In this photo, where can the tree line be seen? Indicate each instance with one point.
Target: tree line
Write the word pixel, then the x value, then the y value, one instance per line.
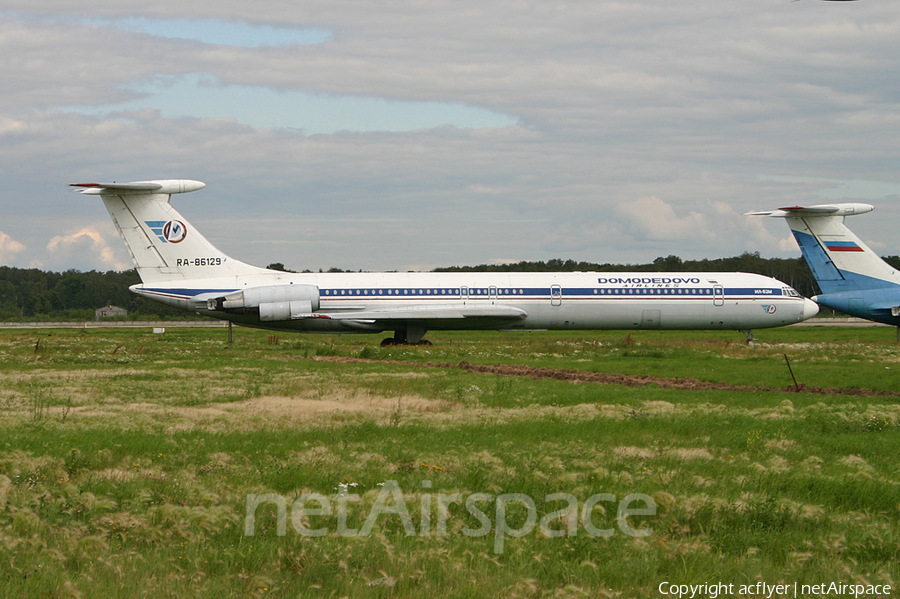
pixel 32 294
pixel 793 271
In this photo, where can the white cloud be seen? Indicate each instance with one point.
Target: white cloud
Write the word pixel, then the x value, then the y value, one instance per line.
pixel 717 225
pixel 652 218
pixel 9 247
pixel 86 248
pixel 788 244
pixel 685 105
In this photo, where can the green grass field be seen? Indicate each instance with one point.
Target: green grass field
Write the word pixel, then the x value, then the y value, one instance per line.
pixel 128 460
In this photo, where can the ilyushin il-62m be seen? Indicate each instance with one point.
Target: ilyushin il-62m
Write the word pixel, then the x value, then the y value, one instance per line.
pixel 179 267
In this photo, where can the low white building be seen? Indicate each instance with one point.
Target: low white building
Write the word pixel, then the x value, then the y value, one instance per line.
pixel 109 311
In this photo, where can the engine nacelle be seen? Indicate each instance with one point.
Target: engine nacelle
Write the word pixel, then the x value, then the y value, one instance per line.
pixel 274 302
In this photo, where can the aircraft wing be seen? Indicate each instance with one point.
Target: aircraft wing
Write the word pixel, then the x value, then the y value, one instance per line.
pixel 423 317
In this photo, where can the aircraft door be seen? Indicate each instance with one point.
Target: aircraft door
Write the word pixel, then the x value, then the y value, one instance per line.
pixel 718 295
pixel 464 294
pixel 650 319
pixel 555 295
pixel 492 293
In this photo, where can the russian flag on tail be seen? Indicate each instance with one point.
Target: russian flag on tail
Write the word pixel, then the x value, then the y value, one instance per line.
pixel 842 246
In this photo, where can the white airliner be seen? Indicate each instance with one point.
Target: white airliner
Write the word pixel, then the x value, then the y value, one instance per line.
pixel 853 278
pixel 179 267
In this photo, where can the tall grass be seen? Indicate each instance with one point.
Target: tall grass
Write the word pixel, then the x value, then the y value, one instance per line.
pixel 134 479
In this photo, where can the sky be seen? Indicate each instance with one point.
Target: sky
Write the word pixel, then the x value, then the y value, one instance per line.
pixel 407 135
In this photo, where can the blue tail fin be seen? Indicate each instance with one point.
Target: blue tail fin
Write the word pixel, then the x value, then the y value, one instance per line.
pixel 853 278
pixel 839 260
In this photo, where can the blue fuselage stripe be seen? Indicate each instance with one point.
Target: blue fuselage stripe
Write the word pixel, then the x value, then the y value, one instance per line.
pixel 509 293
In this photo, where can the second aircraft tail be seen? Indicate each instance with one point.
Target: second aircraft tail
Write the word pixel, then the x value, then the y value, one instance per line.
pixel 839 260
pixel 853 278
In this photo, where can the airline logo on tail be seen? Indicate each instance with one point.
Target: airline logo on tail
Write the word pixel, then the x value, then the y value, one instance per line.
pixel 173 231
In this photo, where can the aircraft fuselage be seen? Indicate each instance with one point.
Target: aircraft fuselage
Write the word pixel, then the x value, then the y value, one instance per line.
pixel 587 300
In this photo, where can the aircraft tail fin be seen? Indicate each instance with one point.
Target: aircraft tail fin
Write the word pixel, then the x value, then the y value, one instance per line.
pixel 839 260
pixel 162 244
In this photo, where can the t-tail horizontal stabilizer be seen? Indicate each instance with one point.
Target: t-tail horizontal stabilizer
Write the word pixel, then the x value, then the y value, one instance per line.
pixel 853 278
pixel 165 186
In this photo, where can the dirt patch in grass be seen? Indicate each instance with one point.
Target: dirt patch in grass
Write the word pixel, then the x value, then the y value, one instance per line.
pixel 607 378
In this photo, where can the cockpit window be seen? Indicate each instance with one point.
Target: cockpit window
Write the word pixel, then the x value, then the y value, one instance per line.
pixel 790 292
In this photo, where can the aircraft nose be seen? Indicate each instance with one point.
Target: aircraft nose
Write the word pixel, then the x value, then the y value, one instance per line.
pixel 810 309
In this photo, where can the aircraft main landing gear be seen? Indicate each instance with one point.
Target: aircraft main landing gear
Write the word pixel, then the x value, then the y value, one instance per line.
pixel 750 337
pixel 407 336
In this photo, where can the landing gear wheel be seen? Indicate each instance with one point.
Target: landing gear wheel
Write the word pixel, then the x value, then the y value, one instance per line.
pixel 424 342
pixel 407 336
pixel 750 337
